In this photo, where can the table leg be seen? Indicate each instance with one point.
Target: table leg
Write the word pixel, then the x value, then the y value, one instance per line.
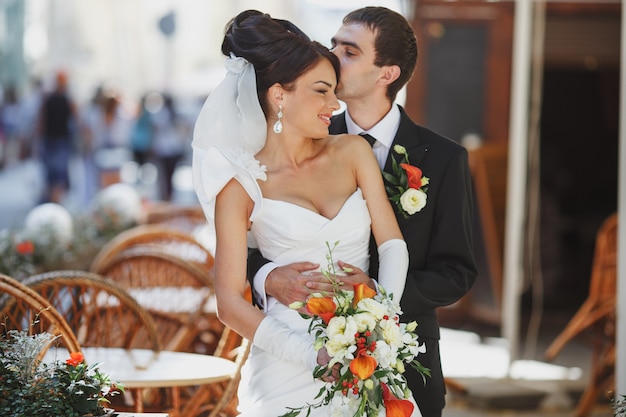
pixel 138 394
pixel 176 399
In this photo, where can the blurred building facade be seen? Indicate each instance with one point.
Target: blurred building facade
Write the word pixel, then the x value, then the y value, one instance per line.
pixel 119 42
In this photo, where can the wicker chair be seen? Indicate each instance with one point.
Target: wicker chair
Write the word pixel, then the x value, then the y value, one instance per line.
pixel 157 237
pixel 220 399
pixel 179 295
pixel 184 218
pixel 596 316
pixel 100 312
pixel 22 308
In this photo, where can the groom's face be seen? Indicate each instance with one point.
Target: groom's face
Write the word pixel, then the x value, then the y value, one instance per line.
pixel 353 44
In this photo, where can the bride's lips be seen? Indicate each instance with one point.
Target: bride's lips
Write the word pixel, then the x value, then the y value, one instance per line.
pixel 325 118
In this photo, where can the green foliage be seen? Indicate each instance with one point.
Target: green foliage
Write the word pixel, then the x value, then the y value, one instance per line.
pixel 29 387
pixel 619 407
pixel 22 255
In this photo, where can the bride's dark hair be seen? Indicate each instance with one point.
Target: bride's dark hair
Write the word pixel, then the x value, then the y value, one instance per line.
pixel 279 51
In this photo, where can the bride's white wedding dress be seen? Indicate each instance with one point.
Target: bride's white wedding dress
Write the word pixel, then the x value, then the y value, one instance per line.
pixel 231 129
pixel 286 233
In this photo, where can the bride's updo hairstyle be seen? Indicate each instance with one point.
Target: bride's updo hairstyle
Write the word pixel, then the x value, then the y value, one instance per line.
pixel 279 51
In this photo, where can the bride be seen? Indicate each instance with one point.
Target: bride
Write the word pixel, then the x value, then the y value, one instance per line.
pixel 267 171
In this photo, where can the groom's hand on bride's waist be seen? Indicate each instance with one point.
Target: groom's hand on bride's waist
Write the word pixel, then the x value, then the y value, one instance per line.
pixel 288 283
pixel 297 281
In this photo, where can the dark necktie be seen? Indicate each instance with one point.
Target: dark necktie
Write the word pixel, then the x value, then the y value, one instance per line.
pixel 370 139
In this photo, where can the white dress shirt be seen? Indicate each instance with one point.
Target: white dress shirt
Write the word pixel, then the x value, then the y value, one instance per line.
pixel 384 132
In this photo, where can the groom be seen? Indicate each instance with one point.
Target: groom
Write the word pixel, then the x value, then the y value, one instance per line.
pixel 378 53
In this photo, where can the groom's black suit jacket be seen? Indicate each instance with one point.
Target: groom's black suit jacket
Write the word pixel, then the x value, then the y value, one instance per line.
pixel 439 240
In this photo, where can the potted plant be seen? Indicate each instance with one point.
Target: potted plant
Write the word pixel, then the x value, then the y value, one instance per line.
pixel 30 387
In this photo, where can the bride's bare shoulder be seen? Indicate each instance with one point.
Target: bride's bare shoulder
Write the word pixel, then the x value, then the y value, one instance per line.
pixel 345 139
pixel 348 143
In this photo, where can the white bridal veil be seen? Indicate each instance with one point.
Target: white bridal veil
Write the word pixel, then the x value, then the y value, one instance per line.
pixel 230 130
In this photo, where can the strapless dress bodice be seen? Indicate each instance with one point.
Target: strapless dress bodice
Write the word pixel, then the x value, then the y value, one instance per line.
pixel 285 232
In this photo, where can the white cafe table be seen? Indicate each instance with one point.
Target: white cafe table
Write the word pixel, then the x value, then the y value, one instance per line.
pixel 143 368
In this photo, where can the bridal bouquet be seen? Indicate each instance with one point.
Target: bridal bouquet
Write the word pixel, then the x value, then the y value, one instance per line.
pixel 362 334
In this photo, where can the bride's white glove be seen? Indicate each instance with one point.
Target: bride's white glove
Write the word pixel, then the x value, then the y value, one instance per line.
pixel 393 264
pixel 274 337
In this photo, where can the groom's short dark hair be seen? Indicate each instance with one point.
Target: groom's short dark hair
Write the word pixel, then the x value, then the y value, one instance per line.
pixel 395 42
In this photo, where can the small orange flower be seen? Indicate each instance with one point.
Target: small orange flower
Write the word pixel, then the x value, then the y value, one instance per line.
pixel 25 248
pixel 363 365
pixel 394 406
pixel 76 358
pixel 362 291
pixel 324 307
pixel 414 175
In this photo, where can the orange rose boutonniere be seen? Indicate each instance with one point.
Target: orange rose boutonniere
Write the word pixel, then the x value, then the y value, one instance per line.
pixel 406 185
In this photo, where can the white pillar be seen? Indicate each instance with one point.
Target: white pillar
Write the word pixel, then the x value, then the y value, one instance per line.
pixel 517 167
pixel 620 366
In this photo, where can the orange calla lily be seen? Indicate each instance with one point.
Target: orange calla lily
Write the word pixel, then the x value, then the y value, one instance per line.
pixel 324 307
pixel 414 175
pixel 362 291
pixel 394 406
pixel 363 365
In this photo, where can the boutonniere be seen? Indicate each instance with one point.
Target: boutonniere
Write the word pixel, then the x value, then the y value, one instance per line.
pixel 406 186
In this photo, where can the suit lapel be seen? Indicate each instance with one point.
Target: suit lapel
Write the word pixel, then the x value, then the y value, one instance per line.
pixel 407 136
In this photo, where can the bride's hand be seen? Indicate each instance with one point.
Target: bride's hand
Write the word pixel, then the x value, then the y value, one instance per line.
pixel 354 276
pixel 322 359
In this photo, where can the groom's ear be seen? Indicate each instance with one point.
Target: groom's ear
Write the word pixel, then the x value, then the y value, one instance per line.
pixel 390 73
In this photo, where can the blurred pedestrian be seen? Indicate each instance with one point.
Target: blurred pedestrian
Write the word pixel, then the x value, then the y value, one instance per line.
pixel 168 145
pixel 30 106
pixel 109 130
pixel 9 122
pixel 57 127
pixel 90 117
pixel 142 133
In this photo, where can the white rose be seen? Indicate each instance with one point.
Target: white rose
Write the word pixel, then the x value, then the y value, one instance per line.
pixel 413 200
pixel 364 322
pixel 373 307
pixel 391 333
pixel 340 334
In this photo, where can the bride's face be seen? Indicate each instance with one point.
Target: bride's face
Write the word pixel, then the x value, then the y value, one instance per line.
pixel 307 108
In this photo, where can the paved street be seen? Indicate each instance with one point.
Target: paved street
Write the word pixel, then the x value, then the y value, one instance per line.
pixel 20 188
